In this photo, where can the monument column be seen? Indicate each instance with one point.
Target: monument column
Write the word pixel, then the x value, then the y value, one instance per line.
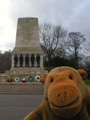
pixel 12 61
pixel 41 61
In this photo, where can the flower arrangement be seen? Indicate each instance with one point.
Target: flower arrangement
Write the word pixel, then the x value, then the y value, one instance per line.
pixel 17 79
pixel 24 80
pixel 37 78
pixel 30 79
pixel 10 80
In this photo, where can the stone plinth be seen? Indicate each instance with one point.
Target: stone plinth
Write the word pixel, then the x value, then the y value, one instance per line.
pixel 24 73
pixel 21 88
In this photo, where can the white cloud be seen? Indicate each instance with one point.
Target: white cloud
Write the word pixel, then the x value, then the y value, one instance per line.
pixel 80 19
pixel 72 14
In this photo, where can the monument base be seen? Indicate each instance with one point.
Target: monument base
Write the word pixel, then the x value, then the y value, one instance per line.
pixel 21 88
pixel 22 73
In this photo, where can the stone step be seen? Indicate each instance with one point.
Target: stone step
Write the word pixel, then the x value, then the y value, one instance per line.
pixel 21 88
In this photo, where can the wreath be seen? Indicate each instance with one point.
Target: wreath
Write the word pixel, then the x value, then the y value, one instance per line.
pixel 10 80
pixel 24 80
pixel 30 79
pixel 17 79
pixel 37 77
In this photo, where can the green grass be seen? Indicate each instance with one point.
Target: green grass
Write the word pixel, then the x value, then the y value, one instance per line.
pixel 87 82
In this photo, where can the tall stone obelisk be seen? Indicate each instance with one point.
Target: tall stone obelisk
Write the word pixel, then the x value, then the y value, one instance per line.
pixel 27 33
pixel 27 43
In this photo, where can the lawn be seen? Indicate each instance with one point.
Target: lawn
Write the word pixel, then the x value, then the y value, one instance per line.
pixel 87 82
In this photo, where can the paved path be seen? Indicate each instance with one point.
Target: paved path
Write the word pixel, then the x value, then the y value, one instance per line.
pixel 17 106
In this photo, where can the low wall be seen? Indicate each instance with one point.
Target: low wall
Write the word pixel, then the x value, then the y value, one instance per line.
pixel 29 88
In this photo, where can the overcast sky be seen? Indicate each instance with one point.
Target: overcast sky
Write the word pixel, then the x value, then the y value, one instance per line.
pixel 73 15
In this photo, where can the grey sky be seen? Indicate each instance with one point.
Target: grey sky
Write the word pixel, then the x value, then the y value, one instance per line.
pixel 73 15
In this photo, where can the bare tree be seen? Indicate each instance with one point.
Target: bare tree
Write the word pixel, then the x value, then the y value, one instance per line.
pixel 51 39
pixel 74 47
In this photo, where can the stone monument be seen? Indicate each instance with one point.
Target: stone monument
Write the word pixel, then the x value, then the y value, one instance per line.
pixel 27 56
